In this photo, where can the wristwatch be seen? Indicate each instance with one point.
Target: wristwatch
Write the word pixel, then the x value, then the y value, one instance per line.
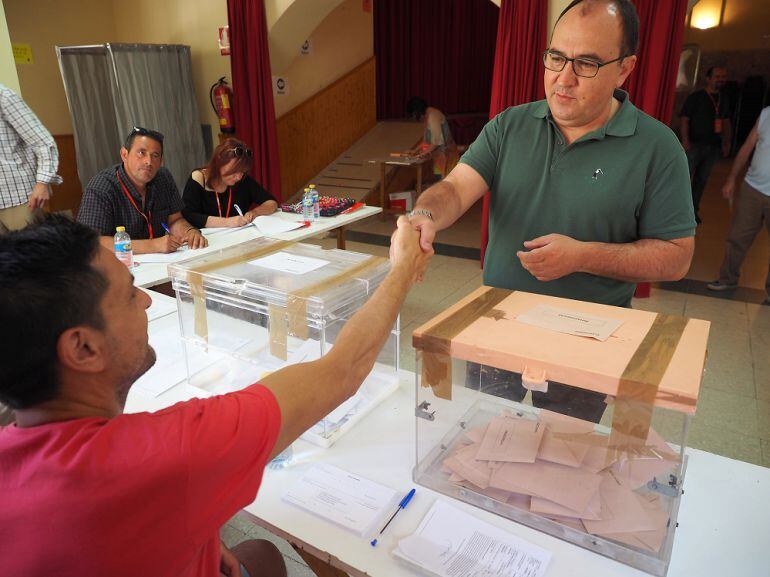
pixel 420 212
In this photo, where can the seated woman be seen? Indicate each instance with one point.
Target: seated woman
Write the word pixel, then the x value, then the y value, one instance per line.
pixel 212 192
pixel 437 138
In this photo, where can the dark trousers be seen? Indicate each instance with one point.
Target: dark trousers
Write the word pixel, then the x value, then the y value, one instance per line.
pixel 752 210
pixel 701 158
pixel 560 398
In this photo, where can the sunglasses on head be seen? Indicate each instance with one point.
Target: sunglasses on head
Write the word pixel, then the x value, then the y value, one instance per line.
pixel 241 151
pixel 146 132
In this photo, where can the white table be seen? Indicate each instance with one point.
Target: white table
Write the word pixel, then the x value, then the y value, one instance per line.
pixel 151 274
pixel 724 517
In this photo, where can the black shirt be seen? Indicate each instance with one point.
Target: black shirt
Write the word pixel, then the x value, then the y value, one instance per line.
pixel 701 108
pixel 199 203
pixel 105 206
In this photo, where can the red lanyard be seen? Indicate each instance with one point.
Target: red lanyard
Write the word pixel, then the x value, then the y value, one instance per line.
pixel 146 218
pixel 229 202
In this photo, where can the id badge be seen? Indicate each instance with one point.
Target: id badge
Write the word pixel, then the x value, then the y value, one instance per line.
pixel 717 126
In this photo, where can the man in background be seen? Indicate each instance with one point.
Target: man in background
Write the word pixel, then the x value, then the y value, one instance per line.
pixel 706 131
pixel 28 162
pixel 753 204
pixel 141 195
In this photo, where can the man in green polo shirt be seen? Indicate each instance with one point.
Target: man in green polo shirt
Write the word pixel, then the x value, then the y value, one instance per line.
pixel 588 195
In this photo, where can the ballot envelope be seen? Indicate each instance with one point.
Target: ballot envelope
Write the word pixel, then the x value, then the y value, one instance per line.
pixel 254 308
pixel 566 416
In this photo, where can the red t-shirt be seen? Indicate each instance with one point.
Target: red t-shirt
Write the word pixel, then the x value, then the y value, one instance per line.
pixel 141 494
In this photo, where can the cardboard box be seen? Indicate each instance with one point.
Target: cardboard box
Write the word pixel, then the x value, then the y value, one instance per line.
pixel 403 201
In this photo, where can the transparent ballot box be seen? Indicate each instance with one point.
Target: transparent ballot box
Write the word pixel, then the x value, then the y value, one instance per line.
pixel 566 416
pixel 254 308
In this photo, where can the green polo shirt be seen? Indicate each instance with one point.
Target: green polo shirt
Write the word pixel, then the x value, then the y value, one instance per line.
pixel 626 181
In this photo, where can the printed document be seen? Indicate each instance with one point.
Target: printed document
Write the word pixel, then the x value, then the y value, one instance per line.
pixel 452 543
pixel 570 322
pixel 290 263
pixel 270 225
pixel 351 501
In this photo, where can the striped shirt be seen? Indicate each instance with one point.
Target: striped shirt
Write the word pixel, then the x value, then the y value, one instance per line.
pixel 27 151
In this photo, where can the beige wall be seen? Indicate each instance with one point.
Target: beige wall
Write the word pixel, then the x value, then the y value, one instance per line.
pixel 340 43
pixel 745 26
pixel 8 75
pixel 44 24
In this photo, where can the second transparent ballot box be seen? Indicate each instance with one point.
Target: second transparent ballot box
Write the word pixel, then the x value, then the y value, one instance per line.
pixel 566 416
pixel 254 308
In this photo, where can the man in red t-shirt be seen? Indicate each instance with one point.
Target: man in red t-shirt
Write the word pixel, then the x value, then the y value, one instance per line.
pixel 87 490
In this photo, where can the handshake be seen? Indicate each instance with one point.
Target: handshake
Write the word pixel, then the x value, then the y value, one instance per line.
pixel 407 256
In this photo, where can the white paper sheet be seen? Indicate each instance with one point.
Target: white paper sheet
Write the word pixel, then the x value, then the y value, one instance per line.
pixel 570 322
pixel 209 231
pixel 289 263
pixel 452 543
pixel 269 225
pixel 348 500
pixel 179 254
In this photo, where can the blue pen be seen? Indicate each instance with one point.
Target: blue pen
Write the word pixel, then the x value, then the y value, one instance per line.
pixel 163 224
pixel 402 505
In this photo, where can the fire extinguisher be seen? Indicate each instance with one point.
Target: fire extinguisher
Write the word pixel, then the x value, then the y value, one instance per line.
pixel 221 96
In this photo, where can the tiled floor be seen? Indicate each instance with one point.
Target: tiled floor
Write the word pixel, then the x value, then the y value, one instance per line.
pixel 733 416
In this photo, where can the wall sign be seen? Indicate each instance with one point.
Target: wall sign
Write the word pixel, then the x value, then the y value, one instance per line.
pixel 307 48
pixel 224 40
pixel 280 86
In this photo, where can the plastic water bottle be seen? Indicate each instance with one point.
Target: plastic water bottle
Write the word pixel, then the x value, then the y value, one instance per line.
pixel 123 249
pixel 316 205
pixel 307 206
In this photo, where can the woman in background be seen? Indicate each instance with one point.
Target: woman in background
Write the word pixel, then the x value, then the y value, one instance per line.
pixel 212 192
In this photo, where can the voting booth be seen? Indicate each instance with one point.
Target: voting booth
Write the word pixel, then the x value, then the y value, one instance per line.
pixel 612 486
pixel 253 308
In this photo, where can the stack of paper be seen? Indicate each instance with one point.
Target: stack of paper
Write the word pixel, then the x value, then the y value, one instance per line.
pixel 451 543
pixel 346 499
pixel 560 468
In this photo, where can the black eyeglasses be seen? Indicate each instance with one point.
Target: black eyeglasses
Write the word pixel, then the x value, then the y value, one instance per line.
pixel 240 151
pixel 584 67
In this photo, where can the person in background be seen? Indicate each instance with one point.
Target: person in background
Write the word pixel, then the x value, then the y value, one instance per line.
pixel 212 192
pixel 86 489
pixel 141 195
pixel 437 138
pixel 706 131
pixel 28 162
pixel 753 204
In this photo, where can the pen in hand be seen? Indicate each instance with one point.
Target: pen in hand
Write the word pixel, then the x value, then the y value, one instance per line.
pixel 402 505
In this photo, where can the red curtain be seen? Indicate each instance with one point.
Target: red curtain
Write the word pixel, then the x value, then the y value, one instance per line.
pixel 253 89
pixel 651 86
pixel 518 72
pixel 441 50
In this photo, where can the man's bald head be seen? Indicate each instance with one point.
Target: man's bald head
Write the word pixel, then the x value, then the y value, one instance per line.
pixel 624 10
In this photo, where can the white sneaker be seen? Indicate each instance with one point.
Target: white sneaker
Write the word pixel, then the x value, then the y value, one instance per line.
pixel 718 285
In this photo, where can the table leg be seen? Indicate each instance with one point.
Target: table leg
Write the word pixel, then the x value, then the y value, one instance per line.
pixel 341 238
pixel 418 185
pixel 382 190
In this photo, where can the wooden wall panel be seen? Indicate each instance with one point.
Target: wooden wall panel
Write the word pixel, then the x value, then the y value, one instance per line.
pixel 67 195
pixel 317 131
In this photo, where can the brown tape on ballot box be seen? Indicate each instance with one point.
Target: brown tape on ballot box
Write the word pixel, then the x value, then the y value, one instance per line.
pixel 296 302
pixel 435 343
pixel 638 387
pixel 198 291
